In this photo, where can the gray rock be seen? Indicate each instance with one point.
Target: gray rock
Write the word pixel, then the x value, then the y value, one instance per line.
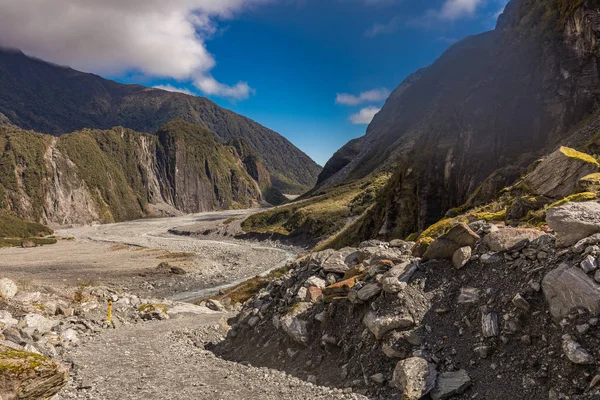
pixel 574 221
pixel 295 327
pixel 369 291
pixel 379 325
pixel 583 244
pixel 378 378
pixel 444 247
pixel 568 288
pixel 589 264
pixel 214 305
pixel 36 322
pixel 415 377
pixel 575 353
pixel 490 258
pixel 8 289
pixel 468 296
pixel 449 384
pixel 392 285
pixel 253 321
pixel 507 239
pixel 461 257
pixel 489 324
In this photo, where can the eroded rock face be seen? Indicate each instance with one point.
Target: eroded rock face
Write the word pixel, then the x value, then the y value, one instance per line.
pixel 415 376
pixel 568 288
pixel 574 221
pixel 294 326
pixel 558 174
pixel 29 376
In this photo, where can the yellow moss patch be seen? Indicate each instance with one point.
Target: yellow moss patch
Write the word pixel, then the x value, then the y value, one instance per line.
pixel 491 216
pixel 438 229
pixel 575 198
pixel 17 361
pixel 572 153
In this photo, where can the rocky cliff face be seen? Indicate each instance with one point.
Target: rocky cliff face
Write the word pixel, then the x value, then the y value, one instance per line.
pixel 491 104
pixel 56 100
pixel 119 174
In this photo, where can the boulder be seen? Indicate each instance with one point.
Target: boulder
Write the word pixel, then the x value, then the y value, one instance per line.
pixel 8 289
pixel 444 247
pixel 507 239
pixel 295 327
pixel 379 325
pixel 36 322
pixel 449 384
pixel 568 288
pixel 415 377
pixel 30 376
pixel 558 175
pixel 574 221
pixel 461 257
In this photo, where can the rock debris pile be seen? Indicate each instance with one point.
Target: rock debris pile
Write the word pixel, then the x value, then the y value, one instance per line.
pixel 484 312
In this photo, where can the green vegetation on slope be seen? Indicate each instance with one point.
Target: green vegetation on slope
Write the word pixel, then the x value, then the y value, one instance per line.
pixel 320 216
pixel 109 163
pixel 22 166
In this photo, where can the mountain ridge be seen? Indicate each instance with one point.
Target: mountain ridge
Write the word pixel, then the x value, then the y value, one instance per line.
pixel 53 99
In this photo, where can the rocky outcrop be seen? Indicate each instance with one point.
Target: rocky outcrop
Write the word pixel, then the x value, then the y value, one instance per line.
pixel 391 325
pixel 574 221
pixel 29 376
pixel 558 175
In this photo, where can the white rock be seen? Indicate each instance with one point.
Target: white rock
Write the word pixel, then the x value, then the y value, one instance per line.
pixel 7 319
pixel 415 377
pixel 461 257
pixel 8 289
pixel 36 322
pixel 70 335
pixel 316 281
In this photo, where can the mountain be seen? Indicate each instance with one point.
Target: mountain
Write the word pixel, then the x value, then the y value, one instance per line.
pixel 463 128
pixel 50 99
pixel 120 174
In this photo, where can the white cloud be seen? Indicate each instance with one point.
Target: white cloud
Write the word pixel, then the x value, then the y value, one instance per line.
pixel 154 37
pixel 455 9
pixel 370 96
pixel 209 85
pixel 364 116
pixel 171 88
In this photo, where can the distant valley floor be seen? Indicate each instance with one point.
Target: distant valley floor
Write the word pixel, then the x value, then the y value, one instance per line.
pixel 127 256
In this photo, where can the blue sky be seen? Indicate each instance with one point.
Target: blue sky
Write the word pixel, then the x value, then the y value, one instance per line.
pixel 280 62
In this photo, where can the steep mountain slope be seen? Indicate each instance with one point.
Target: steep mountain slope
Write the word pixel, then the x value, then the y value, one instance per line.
pixel 120 174
pixel 55 100
pixel 488 107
